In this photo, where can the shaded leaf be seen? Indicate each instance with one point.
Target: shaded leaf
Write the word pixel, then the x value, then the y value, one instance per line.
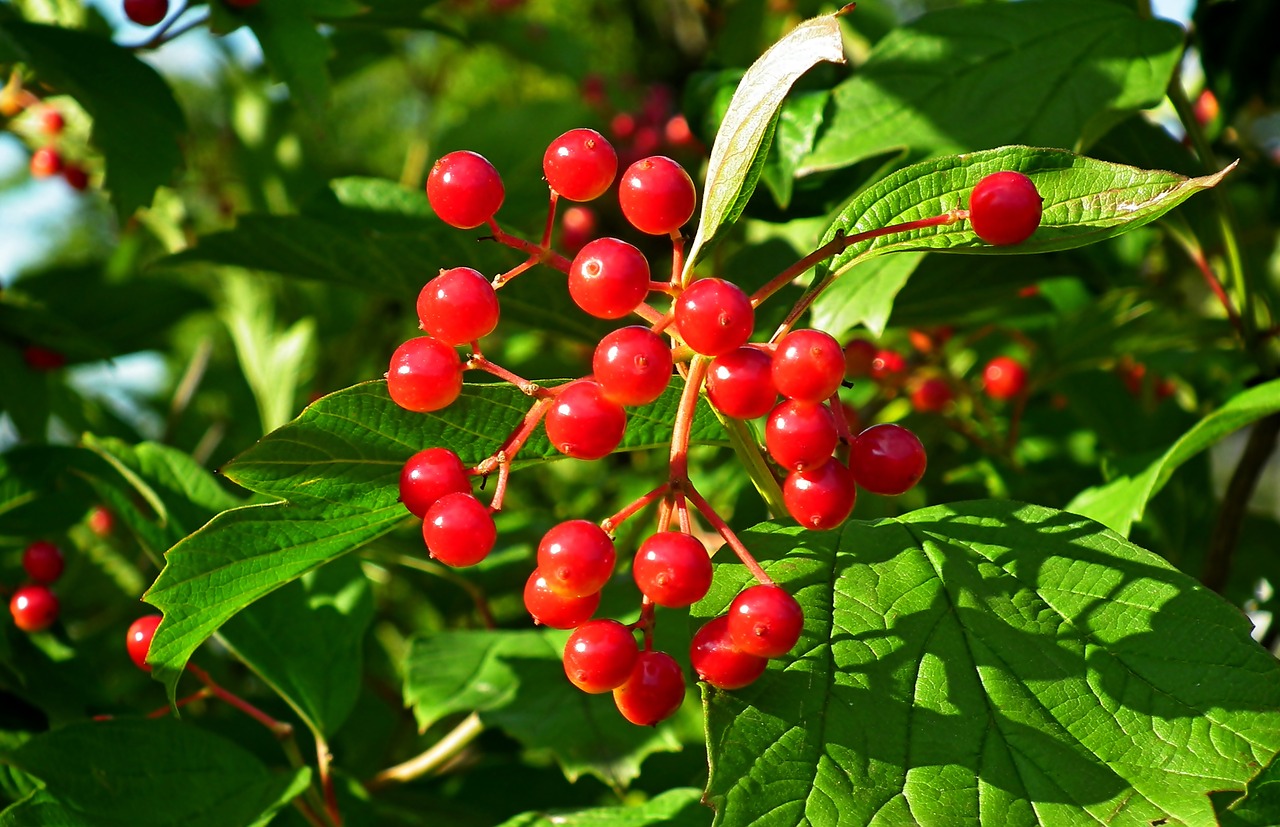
pixel 679 807
pixel 865 295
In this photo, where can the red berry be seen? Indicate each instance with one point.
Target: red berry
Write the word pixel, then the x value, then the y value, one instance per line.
pixel 672 569
pixel 146 12
pixel 599 656
pixel 464 189
pixel 550 609
pixel 584 423
pixel 653 691
pixel 800 435
pixel 76 177
pixel 766 621
pixel 808 366
pixel 425 375
pixel 580 164
pixel 1005 378
pixel 51 121
pixel 45 161
pixel 458 306
pixel 714 316
pixel 138 639
pixel 678 134
pixel 42 358
pixel 34 608
pixel 887 459
pixel 608 278
pixel 1005 208
pixel 429 475
pixel 42 561
pixel 740 383
pixel 101 521
pixel 577 227
pixel 576 558
pixel 931 395
pixel 633 365
pixel 821 498
pixel 459 530
pixel 657 196
pixel 889 368
pixel 858 356
pixel 718 662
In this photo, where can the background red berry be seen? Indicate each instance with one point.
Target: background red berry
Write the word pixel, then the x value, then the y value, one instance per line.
pixel 858 356
pixel 1004 378
pixel 45 161
pixel 1005 208
pixel 931 395
pixel 42 561
pixel 146 12
pixel 34 608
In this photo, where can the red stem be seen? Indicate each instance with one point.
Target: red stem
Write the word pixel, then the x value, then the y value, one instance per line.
pixel 478 361
pixel 280 729
pixel 610 524
pixel 730 539
pixel 677 258
pixel 323 759
pixel 679 469
pixel 500 490
pixel 508 450
pixel 544 254
pixel 1215 285
pixel 551 219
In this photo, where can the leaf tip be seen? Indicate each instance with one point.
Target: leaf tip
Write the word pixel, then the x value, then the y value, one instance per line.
pixel 846 9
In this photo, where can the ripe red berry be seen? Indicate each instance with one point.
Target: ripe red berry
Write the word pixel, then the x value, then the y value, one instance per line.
pixel 459 530
pixel 51 121
pixel 76 177
pixel 1005 208
pixel 584 423
pixel 931 395
pixel 138 639
pixel 458 306
pixel 45 161
pixel 887 459
pixel 718 662
pixel 464 189
pixel 599 656
pixel 633 365
pixel 42 561
pixel 821 498
pixel 1004 378
pixel 808 366
pixel 34 608
pixel 858 356
pixel 101 521
pixel 653 691
pixel 889 368
pixel 608 278
pixel 558 612
pixel 672 569
pixel 766 621
pixel 425 375
pixel 714 316
pixel 657 196
pixel 740 383
pixel 146 12
pixel 429 475
pixel 580 164
pixel 800 435
pixel 576 558
pixel 42 358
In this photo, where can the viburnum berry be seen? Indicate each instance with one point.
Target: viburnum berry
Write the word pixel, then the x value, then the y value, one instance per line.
pixel 1004 378
pixel 714 316
pixel 42 561
pixel 425 375
pixel 576 558
pixel 718 661
pixel 464 189
pixel 458 306
pixel 887 459
pixel 580 164
pixel 76 177
pixel 889 367
pixel 609 278
pixel 740 383
pixel 146 12
pixel 800 435
pixel 584 423
pixel 653 691
pixel 1005 208
pixel 430 474
pixel 554 610
pixel 808 366
pixel 42 358
pixel 45 161
pixel 931 395
pixel 51 121
pixel 600 655
pixel 672 569
pixel 820 498
pixel 459 530
pixel 656 195
pixel 101 521
pixel 138 639
pixel 858 356
pixel 34 608
pixel 764 620
pixel 633 365
pixel 577 227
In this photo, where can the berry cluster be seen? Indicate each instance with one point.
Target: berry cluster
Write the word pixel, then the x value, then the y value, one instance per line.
pixel 47 161
pixel 34 606
pixel 704 333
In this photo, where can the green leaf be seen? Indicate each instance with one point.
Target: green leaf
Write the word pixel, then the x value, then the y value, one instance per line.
pixel 865 295
pixel 1042 73
pixel 1260 805
pixel 136 121
pixel 1121 502
pixel 679 807
pixel 305 640
pixel 141 773
pixel 989 662
pixel 516 681
pixel 737 155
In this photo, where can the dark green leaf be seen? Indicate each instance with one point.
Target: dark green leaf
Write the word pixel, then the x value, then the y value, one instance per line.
pixel 1260 805
pixel 989 662
pixel 679 807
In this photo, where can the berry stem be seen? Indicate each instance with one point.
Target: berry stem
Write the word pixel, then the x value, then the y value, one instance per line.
pixel 730 538
pixel 324 757
pixel 543 254
pixel 645 622
pixel 502 278
pixel 682 512
pixel 1190 244
pixel 500 490
pixel 282 730
pixel 200 694
pixel 432 759
pixel 651 315
pixel 842 423
pixel 551 221
pixel 478 361
pixel 677 261
pixel 679 468
pixel 610 524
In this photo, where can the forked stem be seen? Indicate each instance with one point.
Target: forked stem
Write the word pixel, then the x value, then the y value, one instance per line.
pixel 730 539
